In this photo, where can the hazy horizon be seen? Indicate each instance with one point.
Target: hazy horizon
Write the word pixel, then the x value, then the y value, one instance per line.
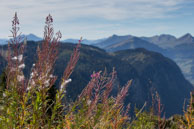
pixel 75 38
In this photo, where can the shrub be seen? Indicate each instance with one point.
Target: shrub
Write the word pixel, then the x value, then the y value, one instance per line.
pixel 188 117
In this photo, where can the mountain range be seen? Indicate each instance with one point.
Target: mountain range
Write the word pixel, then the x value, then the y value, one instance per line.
pixel 32 37
pixel 181 49
pixel 84 41
pixel 169 41
pixel 116 43
pixel 163 40
pixel 29 37
pixel 150 72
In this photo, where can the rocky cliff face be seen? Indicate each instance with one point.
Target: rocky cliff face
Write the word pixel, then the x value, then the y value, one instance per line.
pixel 160 73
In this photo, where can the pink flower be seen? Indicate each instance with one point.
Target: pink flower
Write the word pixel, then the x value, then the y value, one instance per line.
pixel 95 75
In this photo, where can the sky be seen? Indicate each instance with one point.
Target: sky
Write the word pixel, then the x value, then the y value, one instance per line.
pixel 95 19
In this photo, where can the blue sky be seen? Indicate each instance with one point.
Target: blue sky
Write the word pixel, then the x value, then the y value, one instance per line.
pixel 95 19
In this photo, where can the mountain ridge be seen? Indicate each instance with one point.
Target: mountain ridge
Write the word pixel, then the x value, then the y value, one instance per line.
pixel 178 49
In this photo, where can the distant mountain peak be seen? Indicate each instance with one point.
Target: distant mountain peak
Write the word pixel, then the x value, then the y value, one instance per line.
pixel 32 37
pixel 163 40
pixel 113 40
pixel 187 35
pixel 187 38
pixel 114 35
pixel 167 36
pixel 30 34
pixel 120 36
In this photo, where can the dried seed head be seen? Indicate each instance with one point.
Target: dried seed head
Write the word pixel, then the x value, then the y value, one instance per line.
pixel 47 83
pixel 59 35
pixel 20 78
pixel 14 58
pixel 49 19
pixel 65 83
pixel 20 57
pixel 89 102
pixel 22 66
pixel 15 20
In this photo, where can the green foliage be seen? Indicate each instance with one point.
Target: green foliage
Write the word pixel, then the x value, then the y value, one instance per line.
pixel 145 120
pixel 188 119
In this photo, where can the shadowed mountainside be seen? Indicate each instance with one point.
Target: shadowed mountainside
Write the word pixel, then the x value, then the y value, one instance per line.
pixel 179 49
pixel 149 70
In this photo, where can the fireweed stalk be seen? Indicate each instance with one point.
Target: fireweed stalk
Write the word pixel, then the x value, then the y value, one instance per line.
pixel 11 115
pixel 95 108
pixel 15 77
pixel 25 101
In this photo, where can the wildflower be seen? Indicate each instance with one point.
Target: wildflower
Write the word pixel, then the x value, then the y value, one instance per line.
pixel 89 102
pixel 64 83
pixel 20 78
pixel 14 58
pixel 13 69
pixel 95 75
pixel 41 77
pixel 59 34
pixel 33 83
pixel 21 66
pixel 68 80
pixel 28 88
pixel 34 73
pixel 31 75
pixel 51 76
pixel 20 57
pixel 4 95
pixel 47 83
